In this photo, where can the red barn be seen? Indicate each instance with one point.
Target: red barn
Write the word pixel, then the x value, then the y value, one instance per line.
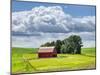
pixel 47 52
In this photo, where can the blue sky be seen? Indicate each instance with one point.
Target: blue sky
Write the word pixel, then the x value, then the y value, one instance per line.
pixel 79 10
pixel 35 23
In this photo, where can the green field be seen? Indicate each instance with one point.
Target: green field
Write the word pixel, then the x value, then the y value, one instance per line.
pixel 25 60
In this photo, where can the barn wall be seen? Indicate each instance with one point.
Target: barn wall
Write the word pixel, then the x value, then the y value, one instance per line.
pixel 46 55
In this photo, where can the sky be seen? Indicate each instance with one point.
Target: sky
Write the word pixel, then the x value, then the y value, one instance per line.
pixel 79 10
pixel 35 23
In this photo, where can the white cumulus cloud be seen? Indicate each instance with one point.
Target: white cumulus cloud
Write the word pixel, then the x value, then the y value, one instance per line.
pixel 42 24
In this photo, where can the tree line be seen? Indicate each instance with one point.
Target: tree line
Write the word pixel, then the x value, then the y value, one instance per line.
pixel 71 45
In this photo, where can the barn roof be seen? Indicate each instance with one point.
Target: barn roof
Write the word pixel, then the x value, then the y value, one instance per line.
pixel 46 49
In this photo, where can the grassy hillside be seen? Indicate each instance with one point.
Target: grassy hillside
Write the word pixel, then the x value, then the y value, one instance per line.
pixel 89 51
pixel 24 50
pixel 25 60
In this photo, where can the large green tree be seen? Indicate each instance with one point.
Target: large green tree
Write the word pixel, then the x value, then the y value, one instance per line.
pixel 75 42
pixel 58 46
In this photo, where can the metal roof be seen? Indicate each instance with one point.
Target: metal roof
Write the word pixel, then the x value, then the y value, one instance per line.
pixel 46 49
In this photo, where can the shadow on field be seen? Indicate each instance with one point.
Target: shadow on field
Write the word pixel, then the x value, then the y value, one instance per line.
pixel 62 56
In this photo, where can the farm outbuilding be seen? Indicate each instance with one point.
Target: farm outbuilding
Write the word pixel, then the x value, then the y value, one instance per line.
pixel 47 52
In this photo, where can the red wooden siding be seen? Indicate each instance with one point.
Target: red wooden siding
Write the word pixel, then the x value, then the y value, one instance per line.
pixel 47 52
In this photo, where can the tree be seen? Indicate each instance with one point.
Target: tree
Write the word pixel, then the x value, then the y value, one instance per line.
pixel 58 46
pixel 63 49
pixel 53 43
pixel 71 45
pixel 48 44
pixel 76 42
